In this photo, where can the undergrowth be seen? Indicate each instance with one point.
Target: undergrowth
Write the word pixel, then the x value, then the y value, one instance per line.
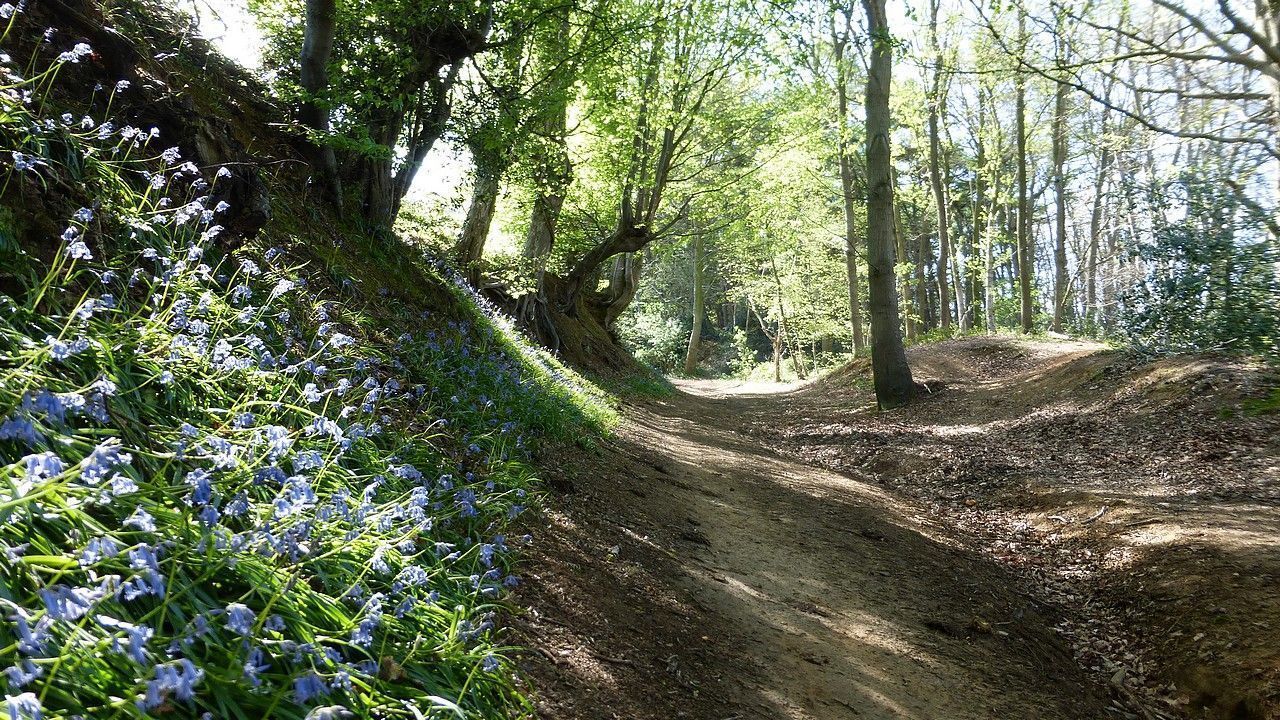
pixel 226 493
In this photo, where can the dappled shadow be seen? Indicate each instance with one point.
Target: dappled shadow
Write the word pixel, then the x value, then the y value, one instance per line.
pixel 779 591
pixel 1083 468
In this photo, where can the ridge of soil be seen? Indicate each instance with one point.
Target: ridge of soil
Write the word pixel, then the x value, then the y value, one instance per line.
pixel 745 551
pixel 1138 496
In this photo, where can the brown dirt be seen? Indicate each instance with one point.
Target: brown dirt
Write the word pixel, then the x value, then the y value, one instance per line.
pixel 747 551
pixel 1137 496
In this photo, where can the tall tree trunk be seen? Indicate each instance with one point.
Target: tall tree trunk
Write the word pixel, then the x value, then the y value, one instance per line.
pixel 989 282
pixel 910 317
pixel 475 229
pixel 553 173
pixel 1026 259
pixel 313 76
pixel 892 376
pixel 695 335
pixel 1061 309
pixel 924 297
pixel 1095 232
pixel 987 227
pixel 846 185
pixel 935 173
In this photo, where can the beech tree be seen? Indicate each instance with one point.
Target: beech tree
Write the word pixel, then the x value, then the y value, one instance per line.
pixel 892 375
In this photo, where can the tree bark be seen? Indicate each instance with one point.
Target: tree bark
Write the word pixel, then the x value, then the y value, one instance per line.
pixel 695 335
pixel 911 318
pixel 1095 229
pixel 1061 309
pixel 475 229
pixel 935 173
pixel 846 185
pixel 892 376
pixel 1026 264
pixel 313 76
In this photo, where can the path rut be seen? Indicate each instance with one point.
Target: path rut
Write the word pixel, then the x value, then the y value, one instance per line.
pixel 775 589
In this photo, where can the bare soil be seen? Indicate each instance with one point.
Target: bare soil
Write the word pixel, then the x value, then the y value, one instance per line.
pixel 1138 496
pixel 1057 531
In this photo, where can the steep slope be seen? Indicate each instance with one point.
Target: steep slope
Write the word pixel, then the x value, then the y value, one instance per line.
pixel 256 462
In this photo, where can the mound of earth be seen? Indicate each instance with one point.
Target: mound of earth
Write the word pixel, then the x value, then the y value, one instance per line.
pixel 1140 496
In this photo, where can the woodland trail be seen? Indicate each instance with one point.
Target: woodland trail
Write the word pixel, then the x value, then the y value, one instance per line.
pixel 714 569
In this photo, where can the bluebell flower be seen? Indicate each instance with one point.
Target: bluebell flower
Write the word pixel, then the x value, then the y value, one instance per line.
pixel 177 679
pixel 201 483
pixel 221 452
pixel 378 561
pixel 121 485
pixel 69 603
pixel 98 464
pixel 18 428
pixel 84 215
pixel 307 686
pixel 297 497
pixel 42 466
pixel 307 460
pixel 141 519
pixel 238 506
pixel 489 663
pixel 61 350
pixel 23 707
pixel 254 665
pixel 98 549
pixel 22 674
pixel 32 639
pixel 135 638
pixel 240 619
pixel 310 393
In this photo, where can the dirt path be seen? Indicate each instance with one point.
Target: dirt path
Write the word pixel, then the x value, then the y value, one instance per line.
pixel 1139 496
pixel 695 567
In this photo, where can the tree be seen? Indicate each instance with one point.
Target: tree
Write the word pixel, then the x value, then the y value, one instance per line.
pixel 937 100
pixel 1026 254
pixel 313 76
pixel 892 376
pixel 399 61
pixel 699 307
pixel 840 35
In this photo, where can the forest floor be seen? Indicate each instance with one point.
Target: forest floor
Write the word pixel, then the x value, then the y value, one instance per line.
pixel 1055 531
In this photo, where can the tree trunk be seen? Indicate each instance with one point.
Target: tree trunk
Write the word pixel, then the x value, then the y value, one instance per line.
pixel 1061 309
pixel 695 335
pixel 892 376
pixel 910 318
pixel 624 280
pixel 1095 234
pixel 935 174
pixel 313 76
pixel 924 296
pixel 1026 262
pixel 554 173
pixel 988 249
pixel 475 229
pixel 846 185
